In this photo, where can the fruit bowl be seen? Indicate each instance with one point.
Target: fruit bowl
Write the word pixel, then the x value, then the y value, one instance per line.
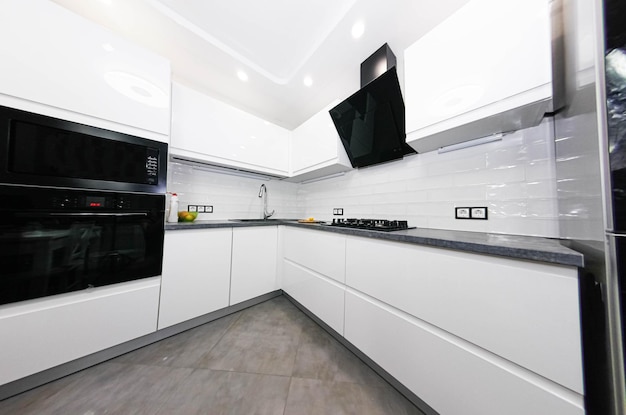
pixel 184 216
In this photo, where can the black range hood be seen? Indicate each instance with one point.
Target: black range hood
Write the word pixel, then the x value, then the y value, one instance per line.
pixel 370 122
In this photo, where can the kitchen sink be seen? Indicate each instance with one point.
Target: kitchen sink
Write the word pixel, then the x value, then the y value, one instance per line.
pixel 256 220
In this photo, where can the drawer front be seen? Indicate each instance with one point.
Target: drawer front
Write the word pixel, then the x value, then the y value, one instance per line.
pixel 450 375
pixel 523 311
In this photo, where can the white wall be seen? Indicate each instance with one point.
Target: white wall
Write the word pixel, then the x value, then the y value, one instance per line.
pixel 514 178
pixel 232 197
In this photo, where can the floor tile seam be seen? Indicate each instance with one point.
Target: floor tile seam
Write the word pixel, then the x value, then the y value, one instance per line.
pixel 220 337
pixel 244 373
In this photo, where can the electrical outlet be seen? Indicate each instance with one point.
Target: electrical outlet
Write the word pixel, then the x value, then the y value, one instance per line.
pixel 208 209
pixel 338 211
pixel 462 212
pixel 200 209
pixel 478 213
pixel 192 208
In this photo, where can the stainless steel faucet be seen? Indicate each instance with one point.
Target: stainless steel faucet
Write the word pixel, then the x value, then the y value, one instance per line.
pixel 263 194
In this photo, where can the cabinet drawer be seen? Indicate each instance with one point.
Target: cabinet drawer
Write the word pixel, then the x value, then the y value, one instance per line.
pixel 322 296
pixel 43 333
pixel 450 375
pixel 321 252
pixel 524 311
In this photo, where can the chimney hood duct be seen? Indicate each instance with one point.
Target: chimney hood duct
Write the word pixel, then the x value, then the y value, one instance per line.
pixel 377 64
pixel 370 122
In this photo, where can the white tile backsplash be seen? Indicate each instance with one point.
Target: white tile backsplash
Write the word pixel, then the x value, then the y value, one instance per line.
pixel 514 178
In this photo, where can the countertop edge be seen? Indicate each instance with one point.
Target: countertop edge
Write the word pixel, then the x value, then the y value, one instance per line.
pixel 509 246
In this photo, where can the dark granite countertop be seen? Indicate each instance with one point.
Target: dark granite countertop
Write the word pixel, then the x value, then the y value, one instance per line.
pixel 511 246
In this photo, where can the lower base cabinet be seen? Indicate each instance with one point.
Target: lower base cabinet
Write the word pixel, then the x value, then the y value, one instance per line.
pixel 320 295
pixel 254 263
pixel 44 333
pixel 451 375
pixel 196 274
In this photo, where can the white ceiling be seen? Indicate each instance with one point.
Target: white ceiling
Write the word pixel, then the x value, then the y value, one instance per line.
pixel 277 43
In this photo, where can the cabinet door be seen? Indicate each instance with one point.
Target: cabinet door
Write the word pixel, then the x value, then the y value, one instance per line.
pixel 488 58
pixel 196 274
pixel 206 129
pixel 46 332
pixel 54 57
pixel 316 149
pixel 526 312
pixel 254 262
pixel 450 375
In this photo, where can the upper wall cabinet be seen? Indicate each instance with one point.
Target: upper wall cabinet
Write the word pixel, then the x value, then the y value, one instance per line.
pixel 57 63
pixel 489 68
pixel 316 149
pixel 207 130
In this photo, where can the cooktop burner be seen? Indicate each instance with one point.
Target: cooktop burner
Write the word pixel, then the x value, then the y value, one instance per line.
pixel 372 224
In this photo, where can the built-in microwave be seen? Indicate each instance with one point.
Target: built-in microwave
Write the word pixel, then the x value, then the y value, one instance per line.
pixel 44 151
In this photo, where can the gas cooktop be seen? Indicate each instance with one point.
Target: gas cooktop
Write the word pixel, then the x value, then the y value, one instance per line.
pixel 372 224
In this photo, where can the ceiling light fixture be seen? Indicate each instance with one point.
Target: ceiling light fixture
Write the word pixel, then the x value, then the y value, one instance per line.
pixel 308 81
pixel 358 29
pixel 242 76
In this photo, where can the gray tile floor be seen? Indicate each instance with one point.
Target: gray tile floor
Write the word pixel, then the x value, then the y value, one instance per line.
pixel 268 359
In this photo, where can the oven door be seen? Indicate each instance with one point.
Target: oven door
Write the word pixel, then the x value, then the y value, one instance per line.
pixel 48 252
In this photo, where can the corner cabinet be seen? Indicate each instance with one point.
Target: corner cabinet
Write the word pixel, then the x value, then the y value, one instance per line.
pixel 209 131
pixel 316 149
pixel 57 63
pixel 313 273
pixel 253 263
pixel 489 68
pixel 196 274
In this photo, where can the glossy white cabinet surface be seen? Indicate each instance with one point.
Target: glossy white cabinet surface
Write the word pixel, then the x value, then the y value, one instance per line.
pixel 322 296
pixel 324 253
pixel 61 61
pixel 43 333
pixel 450 375
pixel 491 57
pixel 209 130
pixel 253 263
pixel 316 148
pixel 196 274
pixel 526 312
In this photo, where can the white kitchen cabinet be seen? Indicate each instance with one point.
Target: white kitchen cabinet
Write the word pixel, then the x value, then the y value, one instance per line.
pixel 322 252
pixel 321 295
pixel 526 312
pixel 316 149
pixel 59 64
pixel 486 69
pixel 313 273
pixel 196 274
pixel 449 374
pixel 253 263
pixel 42 333
pixel 207 130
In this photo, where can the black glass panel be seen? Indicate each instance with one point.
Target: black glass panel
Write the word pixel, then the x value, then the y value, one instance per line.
pixel 55 241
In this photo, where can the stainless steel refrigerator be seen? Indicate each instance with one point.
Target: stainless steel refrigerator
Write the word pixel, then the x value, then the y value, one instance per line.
pixel 590 153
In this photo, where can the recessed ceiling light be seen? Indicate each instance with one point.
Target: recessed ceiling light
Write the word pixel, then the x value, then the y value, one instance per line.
pixel 308 81
pixel 358 29
pixel 242 76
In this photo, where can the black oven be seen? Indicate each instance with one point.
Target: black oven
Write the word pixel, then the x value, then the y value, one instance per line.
pixel 80 207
